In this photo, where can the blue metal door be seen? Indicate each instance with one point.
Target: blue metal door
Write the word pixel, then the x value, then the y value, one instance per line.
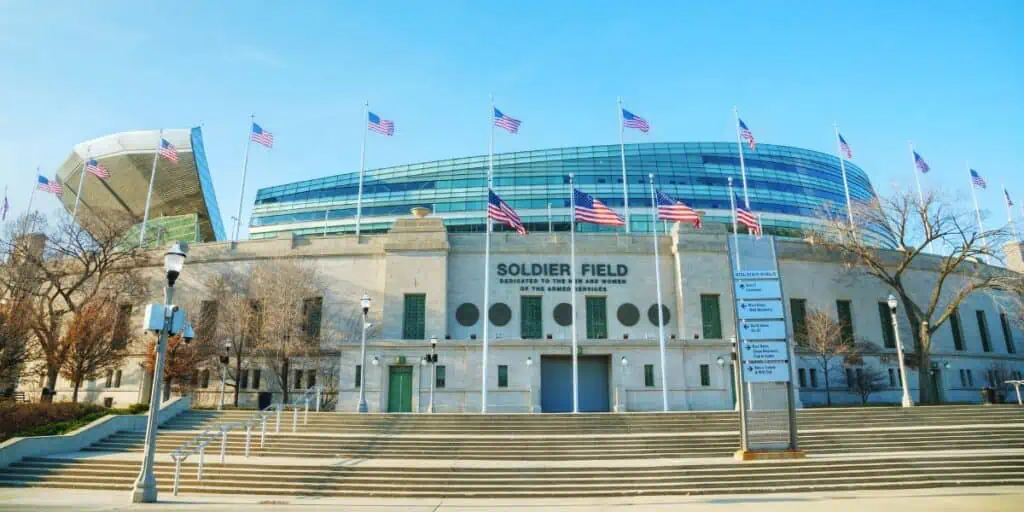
pixel 556 383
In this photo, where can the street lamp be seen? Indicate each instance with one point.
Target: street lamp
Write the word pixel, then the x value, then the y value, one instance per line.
pixel 365 303
pixel 224 359
pixel 907 402
pixel 529 365
pixel 144 489
pixel 720 361
pixel 431 359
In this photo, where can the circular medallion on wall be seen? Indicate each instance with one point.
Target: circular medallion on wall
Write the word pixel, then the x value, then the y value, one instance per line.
pixel 467 314
pixel 652 314
pixel 563 314
pixel 628 315
pixel 499 314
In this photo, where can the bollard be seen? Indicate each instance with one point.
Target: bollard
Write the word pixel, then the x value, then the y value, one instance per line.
pixel 305 415
pixel 295 419
pixel 263 429
pixel 248 437
pixel 277 422
pixel 202 454
pixel 223 445
pixel 177 474
pixel 318 390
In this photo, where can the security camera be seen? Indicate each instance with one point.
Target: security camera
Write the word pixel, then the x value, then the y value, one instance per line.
pixel 188 333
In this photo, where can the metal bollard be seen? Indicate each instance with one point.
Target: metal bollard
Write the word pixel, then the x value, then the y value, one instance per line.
pixel 202 456
pixel 305 415
pixel 223 445
pixel 295 419
pixel 263 429
pixel 248 437
pixel 177 473
pixel 277 422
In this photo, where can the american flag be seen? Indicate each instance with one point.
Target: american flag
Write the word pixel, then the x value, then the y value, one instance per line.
pixel 53 187
pixel 168 151
pixel 920 163
pixel 506 122
pixel 631 120
pixel 977 179
pixel 676 211
pixel 746 218
pixel 500 211
pixel 589 209
pixel 261 136
pixel 94 167
pixel 381 126
pixel 845 147
pixel 1009 202
pixel 747 135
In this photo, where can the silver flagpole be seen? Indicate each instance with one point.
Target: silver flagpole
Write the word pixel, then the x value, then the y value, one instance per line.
pixel 245 165
pixel 572 292
pixel 81 180
pixel 622 154
pixel 362 167
pixel 149 194
pixel 657 282
pixel 487 267
pixel 974 195
pixel 743 165
pixel 917 172
pixel 735 227
pixel 842 167
pixel 31 196
pixel 326 211
pixel 550 226
pixel 1009 212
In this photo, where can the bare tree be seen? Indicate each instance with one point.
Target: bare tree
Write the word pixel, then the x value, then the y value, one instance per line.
pixel 910 225
pixel 868 380
pixel 182 360
pixel 75 263
pixel 232 323
pixel 14 339
pixel 825 345
pixel 90 349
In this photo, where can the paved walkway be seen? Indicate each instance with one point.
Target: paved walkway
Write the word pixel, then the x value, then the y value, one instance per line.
pixel 969 499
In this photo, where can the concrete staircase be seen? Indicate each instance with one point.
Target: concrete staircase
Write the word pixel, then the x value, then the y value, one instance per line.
pixel 519 455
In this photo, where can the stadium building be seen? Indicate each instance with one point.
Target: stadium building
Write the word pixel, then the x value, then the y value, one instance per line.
pixel 424 275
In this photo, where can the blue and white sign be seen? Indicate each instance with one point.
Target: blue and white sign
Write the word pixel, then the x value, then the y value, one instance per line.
pixel 755 274
pixel 766 372
pixel 768 289
pixel 762 330
pixel 764 351
pixel 759 309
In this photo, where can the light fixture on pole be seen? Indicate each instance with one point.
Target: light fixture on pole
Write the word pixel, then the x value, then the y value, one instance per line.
pixel 365 303
pixel 224 359
pixel 720 361
pixel 165 320
pixel 529 364
pixel 431 359
pixel 906 401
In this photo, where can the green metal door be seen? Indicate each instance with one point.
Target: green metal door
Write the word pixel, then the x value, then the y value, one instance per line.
pixel 400 389
pixel 597 318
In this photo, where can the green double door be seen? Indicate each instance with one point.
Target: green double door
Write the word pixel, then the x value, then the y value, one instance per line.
pixel 400 389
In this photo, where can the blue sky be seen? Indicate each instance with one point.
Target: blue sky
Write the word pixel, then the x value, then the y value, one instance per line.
pixel 949 75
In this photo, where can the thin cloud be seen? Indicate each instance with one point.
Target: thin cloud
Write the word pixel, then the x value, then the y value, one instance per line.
pixel 252 55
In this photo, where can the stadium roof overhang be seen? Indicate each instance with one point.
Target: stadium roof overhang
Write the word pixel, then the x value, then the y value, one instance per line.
pixel 179 188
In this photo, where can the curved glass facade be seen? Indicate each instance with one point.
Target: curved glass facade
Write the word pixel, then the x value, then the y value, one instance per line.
pixel 787 185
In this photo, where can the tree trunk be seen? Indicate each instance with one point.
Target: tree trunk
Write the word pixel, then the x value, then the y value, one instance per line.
pixel 51 384
pixel 828 388
pixel 925 378
pixel 284 382
pixel 238 377
pixel 74 394
pixel 167 389
pixel 922 348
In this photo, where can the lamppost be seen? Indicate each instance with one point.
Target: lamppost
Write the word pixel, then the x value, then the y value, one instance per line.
pixel 431 359
pixel 365 303
pixel 906 402
pixel 224 359
pixel 529 365
pixel 620 405
pixel 144 490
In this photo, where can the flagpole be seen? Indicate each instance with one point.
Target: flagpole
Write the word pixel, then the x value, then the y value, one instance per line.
pixel 32 196
pixel 842 167
pixel 917 177
pixel 760 227
pixel 735 227
pixel 326 211
pixel 657 282
pixel 974 196
pixel 487 267
pixel 149 194
pixel 572 292
pixel 81 180
pixel 245 165
pixel 550 226
pixel 362 167
pixel 1009 212
pixel 622 155
pixel 743 165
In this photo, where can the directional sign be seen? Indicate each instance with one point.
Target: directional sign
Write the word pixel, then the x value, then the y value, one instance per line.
pixel 759 309
pixel 762 330
pixel 767 289
pixel 764 351
pixel 755 274
pixel 766 372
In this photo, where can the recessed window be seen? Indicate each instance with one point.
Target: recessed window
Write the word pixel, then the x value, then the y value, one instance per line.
pixel 439 381
pixel 705 375
pixel 802 374
pixel 256 378
pixel 502 376
pixel 649 375
pixel 359 375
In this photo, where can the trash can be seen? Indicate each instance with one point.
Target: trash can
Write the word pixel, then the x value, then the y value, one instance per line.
pixel 988 396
